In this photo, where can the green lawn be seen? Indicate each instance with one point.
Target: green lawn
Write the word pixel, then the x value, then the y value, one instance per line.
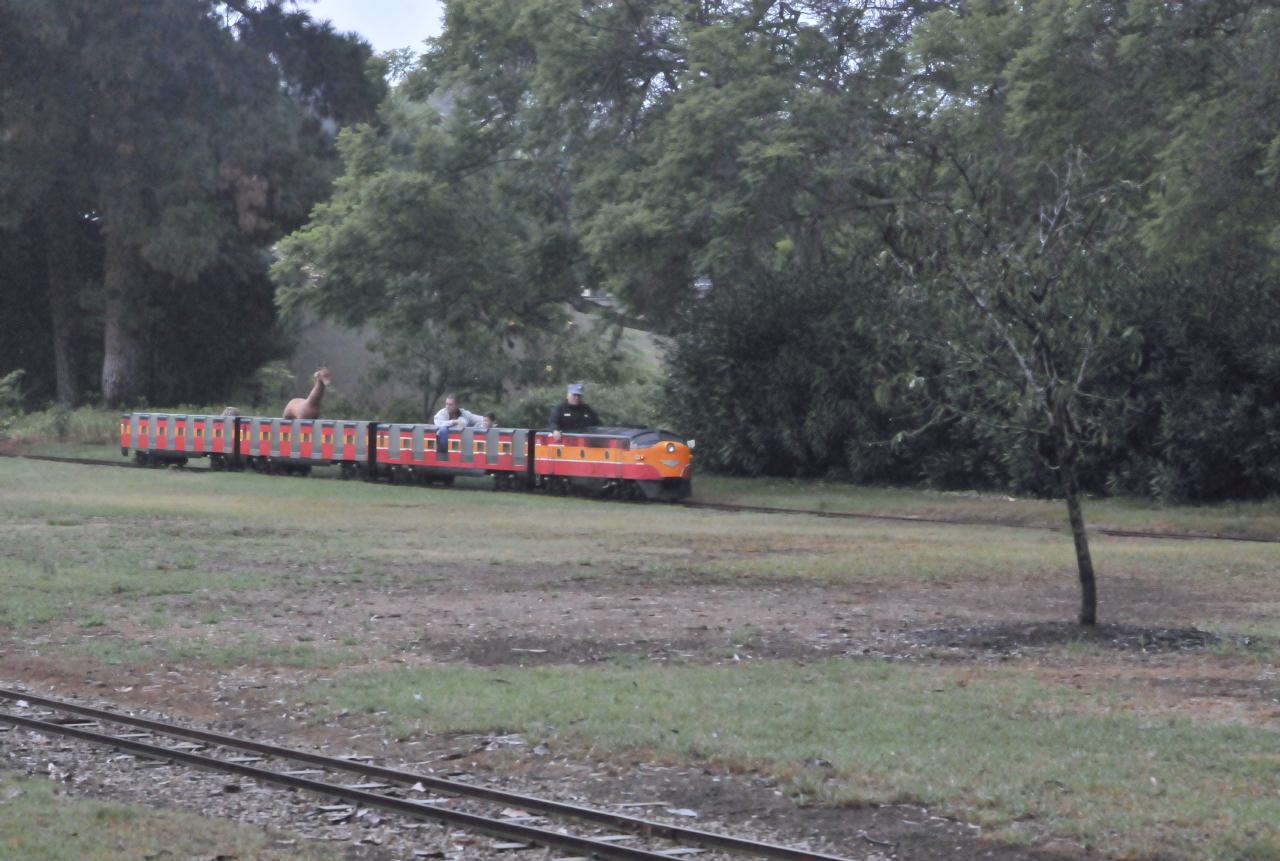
pixel 1137 755
pixel 39 823
pixel 1255 519
pixel 992 746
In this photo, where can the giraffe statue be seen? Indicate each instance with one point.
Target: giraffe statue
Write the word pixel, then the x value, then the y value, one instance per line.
pixel 309 407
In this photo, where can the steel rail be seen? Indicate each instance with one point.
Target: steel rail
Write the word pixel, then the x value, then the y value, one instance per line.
pixel 79 461
pixel 470 821
pixel 644 827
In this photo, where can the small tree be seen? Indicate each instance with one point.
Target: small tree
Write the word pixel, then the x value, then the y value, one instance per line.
pixel 1025 282
pixel 434 361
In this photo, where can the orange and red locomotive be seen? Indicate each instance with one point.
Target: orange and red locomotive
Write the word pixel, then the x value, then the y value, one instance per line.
pixel 637 463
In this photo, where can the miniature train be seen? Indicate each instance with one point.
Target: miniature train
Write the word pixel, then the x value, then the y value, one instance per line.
pixel 633 463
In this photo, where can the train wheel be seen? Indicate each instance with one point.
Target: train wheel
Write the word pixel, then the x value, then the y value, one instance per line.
pixel 141 458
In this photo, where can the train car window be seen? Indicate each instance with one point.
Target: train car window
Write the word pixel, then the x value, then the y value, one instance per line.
pixel 455 445
pixel 217 431
pixel 504 448
pixel 284 436
pixel 481 446
pixel 431 443
pixel 326 439
pixel 265 433
pixel 559 452
pixel 383 440
pixel 582 452
pixel 199 432
pixel 606 454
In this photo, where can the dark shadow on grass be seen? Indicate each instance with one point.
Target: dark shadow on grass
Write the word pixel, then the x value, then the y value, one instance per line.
pixel 1010 637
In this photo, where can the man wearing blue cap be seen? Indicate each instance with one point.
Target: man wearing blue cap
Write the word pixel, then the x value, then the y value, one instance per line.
pixel 573 414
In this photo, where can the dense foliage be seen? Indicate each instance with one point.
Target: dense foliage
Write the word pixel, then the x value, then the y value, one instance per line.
pixel 1026 245
pixel 149 154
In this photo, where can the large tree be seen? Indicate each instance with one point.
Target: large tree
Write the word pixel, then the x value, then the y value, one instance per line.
pixel 187 132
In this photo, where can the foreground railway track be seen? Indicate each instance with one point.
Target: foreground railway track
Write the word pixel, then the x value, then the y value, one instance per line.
pixel 278 766
pixel 838 515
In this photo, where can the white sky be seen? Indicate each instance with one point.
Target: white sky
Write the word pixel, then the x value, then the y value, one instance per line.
pixel 385 24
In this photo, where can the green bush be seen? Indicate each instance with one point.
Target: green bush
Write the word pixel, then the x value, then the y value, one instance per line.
pixel 10 398
pixel 791 376
pixel 628 404
pixel 88 425
pixel 805 374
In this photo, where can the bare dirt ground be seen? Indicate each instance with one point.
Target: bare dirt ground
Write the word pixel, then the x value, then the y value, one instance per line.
pixel 481 617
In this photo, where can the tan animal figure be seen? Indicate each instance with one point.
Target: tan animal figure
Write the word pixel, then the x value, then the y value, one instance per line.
pixel 309 407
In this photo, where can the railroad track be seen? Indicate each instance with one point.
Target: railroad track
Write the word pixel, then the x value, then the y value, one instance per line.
pixel 79 461
pixel 959 521
pixel 839 515
pixel 628 838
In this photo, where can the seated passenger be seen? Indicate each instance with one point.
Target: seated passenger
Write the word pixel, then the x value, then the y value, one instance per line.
pixel 573 414
pixel 453 417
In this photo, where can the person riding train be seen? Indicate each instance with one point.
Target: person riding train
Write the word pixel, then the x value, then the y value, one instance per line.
pixel 573 413
pixel 453 417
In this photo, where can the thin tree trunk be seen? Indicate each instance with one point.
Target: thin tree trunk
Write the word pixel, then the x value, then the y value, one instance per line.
pixel 63 265
pixel 1075 514
pixel 123 347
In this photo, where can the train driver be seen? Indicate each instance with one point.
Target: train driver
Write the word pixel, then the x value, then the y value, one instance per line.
pixel 573 413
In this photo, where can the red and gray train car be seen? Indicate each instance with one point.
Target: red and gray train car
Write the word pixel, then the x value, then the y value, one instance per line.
pixel 637 463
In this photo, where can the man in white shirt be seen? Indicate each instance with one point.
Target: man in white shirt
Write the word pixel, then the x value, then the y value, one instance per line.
pixel 453 417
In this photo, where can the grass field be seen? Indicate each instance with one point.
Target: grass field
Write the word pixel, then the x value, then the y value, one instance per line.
pixel 37 823
pixel 919 662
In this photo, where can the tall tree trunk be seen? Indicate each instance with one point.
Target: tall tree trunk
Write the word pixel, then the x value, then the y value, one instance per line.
pixel 63 266
pixel 124 341
pixel 1066 454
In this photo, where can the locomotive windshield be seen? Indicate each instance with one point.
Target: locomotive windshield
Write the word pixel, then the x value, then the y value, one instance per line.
pixel 653 437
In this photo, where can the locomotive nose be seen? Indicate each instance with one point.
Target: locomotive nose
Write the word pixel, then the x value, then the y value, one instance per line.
pixel 670 459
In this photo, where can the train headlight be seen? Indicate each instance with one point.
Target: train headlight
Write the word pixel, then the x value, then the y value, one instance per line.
pixel 692 444
pixel 671 448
